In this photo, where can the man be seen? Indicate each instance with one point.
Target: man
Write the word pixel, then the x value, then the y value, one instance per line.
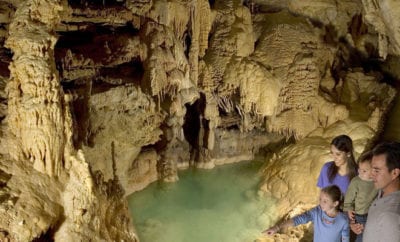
pixel 383 222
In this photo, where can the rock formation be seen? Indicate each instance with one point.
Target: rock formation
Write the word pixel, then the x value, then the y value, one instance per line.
pixel 100 98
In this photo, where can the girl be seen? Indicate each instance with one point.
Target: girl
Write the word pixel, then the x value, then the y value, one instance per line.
pixel 343 168
pixel 330 225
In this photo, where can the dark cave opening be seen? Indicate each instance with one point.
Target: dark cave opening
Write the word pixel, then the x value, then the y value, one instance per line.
pixel 191 126
pixel 351 58
pixel 130 72
pixel 6 57
pixel 96 3
pixel 194 121
pixel 79 110
pixel 48 236
pixel 187 42
pixel 211 2
pixel 73 38
pixel 96 44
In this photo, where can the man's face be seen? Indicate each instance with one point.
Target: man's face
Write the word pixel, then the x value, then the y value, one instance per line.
pixel 380 173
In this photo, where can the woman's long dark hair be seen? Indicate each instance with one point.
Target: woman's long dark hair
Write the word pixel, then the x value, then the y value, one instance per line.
pixel 344 144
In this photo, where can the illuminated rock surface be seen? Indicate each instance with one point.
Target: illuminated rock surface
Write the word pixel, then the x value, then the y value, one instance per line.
pixel 98 99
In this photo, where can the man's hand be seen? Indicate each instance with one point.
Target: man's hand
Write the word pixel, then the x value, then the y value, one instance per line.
pixel 356 228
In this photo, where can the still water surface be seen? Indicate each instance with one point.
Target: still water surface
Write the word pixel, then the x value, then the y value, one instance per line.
pixel 215 205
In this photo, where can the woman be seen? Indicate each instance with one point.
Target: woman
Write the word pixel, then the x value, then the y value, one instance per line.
pixel 343 168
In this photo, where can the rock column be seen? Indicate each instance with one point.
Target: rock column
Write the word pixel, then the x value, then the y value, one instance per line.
pixel 35 97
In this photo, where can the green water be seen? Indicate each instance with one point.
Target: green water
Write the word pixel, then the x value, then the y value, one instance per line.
pixel 217 205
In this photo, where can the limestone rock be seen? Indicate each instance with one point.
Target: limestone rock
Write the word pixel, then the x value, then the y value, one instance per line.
pixel 100 98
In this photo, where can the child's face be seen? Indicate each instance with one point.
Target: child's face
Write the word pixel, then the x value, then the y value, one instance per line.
pixel 326 203
pixel 364 171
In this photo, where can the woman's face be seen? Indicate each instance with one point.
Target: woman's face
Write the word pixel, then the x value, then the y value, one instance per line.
pixel 339 157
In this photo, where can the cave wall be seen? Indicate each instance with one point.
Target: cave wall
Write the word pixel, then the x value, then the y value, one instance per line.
pixel 100 98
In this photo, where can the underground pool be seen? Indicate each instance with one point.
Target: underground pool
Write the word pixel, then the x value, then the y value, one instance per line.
pixel 215 205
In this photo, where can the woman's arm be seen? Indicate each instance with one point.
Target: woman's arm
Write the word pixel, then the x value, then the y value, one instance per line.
pixel 323 176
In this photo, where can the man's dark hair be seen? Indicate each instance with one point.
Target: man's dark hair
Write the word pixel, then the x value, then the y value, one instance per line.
pixel 392 152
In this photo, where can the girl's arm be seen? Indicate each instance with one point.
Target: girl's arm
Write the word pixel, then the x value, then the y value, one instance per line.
pixel 346 233
pixel 277 227
pixel 300 219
